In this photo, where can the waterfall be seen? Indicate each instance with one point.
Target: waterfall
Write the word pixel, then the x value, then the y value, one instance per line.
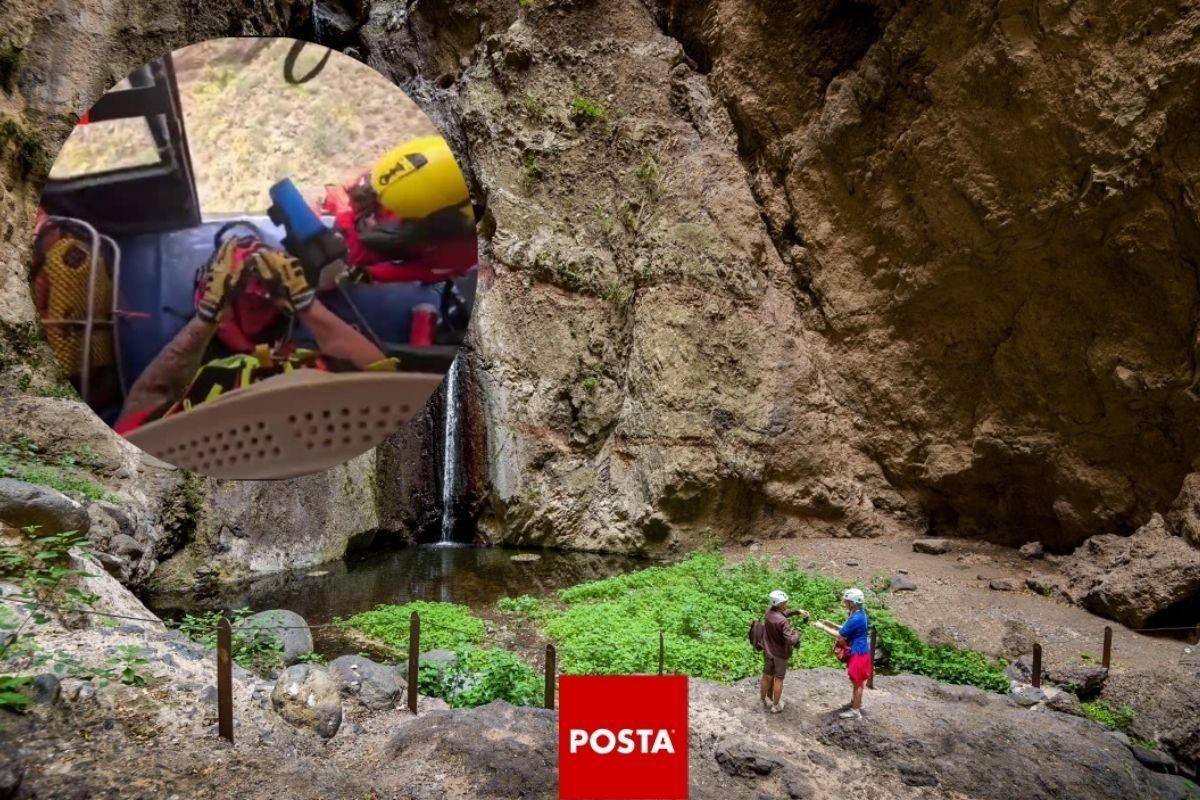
pixel 450 453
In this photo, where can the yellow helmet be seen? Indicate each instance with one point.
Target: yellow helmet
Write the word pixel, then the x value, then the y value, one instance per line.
pixel 418 178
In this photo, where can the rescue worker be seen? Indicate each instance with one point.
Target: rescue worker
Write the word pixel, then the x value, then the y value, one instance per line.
pixel 410 218
pixel 168 377
pixel 779 638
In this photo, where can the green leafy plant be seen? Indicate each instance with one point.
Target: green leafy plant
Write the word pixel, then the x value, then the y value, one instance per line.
pixel 255 649
pixel 443 625
pixel 1117 719
pixel 479 676
pixel 585 110
pixel 127 664
pixel 11 696
pixel 704 606
pixel 526 606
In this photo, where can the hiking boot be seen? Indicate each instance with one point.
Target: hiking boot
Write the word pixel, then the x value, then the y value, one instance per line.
pixel 775 709
pixel 852 713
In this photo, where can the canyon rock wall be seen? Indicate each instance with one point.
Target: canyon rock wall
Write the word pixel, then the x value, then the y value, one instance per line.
pixel 753 270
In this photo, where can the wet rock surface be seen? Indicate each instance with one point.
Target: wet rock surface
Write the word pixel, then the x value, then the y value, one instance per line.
pixel 285 629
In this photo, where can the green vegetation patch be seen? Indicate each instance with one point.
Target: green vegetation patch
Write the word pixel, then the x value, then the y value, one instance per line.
pixel 480 676
pixel 28 154
pixel 444 626
pixel 254 648
pixel 25 461
pixel 585 110
pixel 704 607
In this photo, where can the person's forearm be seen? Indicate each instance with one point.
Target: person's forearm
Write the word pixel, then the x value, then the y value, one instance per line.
pixel 335 337
pixel 168 375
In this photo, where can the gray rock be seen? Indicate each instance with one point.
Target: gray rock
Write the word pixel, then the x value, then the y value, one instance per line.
pixel 306 696
pixel 933 547
pixel 1026 696
pixel 377 686
pixel 1154 760
pixel 293 634
pixel 899 583
pixel 208 695
pixel 504 750
pixel 125 545
pixel 1064 703
pixel 1084 680
pixel 1000 585
pixel 1032 550
pixel 23 504
pixel 742 758
pixel 12 771
pixel 1120 736
pixel 1045 585
pixel 47 689
pixel 1132 578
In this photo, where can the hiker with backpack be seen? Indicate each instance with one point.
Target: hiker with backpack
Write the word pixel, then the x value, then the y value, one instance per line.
pixel 776 637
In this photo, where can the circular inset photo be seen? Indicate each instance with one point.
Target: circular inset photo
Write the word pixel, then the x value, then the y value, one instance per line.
pixel 255 258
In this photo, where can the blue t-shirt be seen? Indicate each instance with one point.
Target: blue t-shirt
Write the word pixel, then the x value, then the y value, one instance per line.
pixel 855 632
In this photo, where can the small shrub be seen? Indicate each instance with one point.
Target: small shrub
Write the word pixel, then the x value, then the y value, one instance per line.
pixel 526 606
pixel 531 172
pixel 480 676
pixel 585 110
pixel 616 293
pixel 29 157
pixel 253 649
pixel 443 625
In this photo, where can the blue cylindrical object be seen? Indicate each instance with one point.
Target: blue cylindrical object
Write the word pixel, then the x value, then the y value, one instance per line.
pixel 295 214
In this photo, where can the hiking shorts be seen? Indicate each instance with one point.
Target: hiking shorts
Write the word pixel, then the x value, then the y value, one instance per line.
pixel 775 667
pixel 859 668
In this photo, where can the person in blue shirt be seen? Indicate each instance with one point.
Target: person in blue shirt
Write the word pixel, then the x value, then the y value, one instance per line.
pixel 856 632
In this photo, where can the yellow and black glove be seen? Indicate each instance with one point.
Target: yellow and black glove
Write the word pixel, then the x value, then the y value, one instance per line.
pixel 284 276
pixel 219 277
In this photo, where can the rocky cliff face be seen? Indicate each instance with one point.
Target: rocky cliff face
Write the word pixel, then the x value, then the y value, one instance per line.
pixel 848 269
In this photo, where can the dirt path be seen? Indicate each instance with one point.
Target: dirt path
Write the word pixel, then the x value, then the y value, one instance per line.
pixel 953 600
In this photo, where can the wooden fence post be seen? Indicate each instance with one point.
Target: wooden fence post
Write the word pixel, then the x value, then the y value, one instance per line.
pixel 225 680
pixel 551 670
pixel 661 652
pixel 414 659
pixel 1106 659
pixel 1037 664
pixel 871 678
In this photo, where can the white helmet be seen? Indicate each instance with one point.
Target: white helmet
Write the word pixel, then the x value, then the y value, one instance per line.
pixel 853 595
pixel 778 597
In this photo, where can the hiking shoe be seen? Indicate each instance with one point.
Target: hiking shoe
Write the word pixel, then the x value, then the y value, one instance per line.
pixel 775 709
pixel 766 704
pixel 852 713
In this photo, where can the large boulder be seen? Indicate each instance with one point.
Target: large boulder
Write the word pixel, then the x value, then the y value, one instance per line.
pixel 1184 515
pixel 286 628
pixel 377 686
pixel 1085 681
pixel 23 504
pixel 1130 579
pixel 504 751
pixel 308 697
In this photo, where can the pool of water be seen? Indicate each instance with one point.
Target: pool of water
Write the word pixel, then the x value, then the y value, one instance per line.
pixel 475 576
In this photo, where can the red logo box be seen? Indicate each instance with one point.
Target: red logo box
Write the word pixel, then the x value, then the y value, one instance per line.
pixel 623 737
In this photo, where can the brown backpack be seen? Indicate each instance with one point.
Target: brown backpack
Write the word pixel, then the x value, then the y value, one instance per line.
pixel 756 634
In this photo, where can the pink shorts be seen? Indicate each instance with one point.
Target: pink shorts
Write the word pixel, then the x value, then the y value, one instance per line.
pixel 859 668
